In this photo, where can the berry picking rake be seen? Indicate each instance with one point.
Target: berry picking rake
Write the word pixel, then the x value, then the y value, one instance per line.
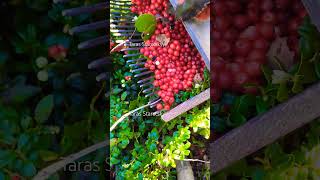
pixel 122 25
pixel 91 43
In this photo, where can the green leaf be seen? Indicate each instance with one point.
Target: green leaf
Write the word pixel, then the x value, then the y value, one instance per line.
pixel 146 23
pixel 218 124
pixel 19 93
pixel 152 147
pixel 267 72
pixel 23 140
pixel 309 39
pixel 6 157
pixel 284 162
pixel 283 93
pixel 26 122
pixel 48 155
pixel 44 109
pixel 261 105
pixel 236 119
pixel 124 95
pixel 7 139
pixel 28 169
pixel 116 91
pixel 136 165
pixel 124 143
pixel 297 84
pixel 258 174
pixel 243 103
pixel 280 76
pixel 273 152
pixel 308 72
pixel 228 99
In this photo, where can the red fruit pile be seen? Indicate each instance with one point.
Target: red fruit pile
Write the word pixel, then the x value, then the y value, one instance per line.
pixel 153 7
pixel 175 64
pixel 243 31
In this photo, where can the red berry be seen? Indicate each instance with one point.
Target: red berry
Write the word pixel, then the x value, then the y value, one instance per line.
pixel 159 106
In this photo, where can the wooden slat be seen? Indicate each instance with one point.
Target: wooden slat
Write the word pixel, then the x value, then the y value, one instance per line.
pixel 263 130
pixel 186 106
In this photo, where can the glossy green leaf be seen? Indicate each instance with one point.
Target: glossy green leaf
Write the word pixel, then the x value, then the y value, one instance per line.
pixel 146 23
pixel 261 105
pixel 44 108
pixel 136 165
pixel 124 96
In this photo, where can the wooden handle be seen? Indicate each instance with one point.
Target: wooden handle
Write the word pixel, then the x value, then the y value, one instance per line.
pixel 187 105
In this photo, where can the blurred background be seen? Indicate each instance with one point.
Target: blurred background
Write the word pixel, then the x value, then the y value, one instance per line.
pixel 50 103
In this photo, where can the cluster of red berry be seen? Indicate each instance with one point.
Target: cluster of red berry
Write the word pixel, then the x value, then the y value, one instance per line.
pixel 243 31
pixel 153 7
pixel 174 64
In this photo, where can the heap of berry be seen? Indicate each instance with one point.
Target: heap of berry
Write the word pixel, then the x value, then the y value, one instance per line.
pixel 153 7
pixel 175 64
pixel 243 31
